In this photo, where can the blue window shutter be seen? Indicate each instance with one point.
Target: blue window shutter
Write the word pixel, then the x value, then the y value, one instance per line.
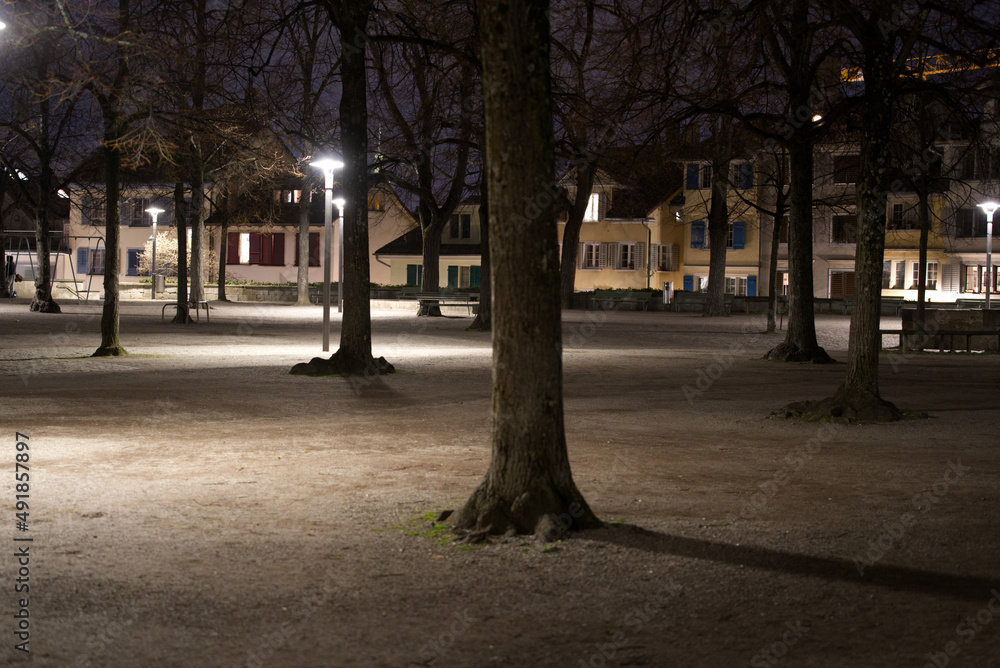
pixel 475 276
pixel 751 286
pixel 452 276
pixel 739 234
pixel 698 234
pixel 689 283
pixel 692 175
pixel 81 260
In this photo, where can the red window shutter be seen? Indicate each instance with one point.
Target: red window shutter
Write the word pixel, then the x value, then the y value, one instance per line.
pixel 255 247
pixel 278 250
pixel 233 248
pixel 314 249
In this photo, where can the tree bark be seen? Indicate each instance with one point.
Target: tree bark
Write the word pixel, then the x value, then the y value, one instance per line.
pixel 571 233
pixel 772 271
pixel 183 315
pixel 43 301
pixel 197 232
pixel 355 354
pixel 529 486
pixel 800 344
pixel 484 315
pixel 223 247
pixel 302 274
pixel 110 336
pixel 718 219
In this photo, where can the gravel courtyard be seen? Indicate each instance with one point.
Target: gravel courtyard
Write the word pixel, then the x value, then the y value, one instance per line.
pixel 193 504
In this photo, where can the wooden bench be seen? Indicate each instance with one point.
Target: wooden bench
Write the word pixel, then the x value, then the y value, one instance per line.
pixel 895 304
pixel 970 303
pixel 197 310
pixel 938 336
pixel 697 301
pixel 428 301
pixel 616 298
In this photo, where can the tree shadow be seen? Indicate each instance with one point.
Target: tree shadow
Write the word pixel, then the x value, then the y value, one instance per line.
pixel 902 578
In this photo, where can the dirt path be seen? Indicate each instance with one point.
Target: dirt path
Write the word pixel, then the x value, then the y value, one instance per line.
pixel 194 505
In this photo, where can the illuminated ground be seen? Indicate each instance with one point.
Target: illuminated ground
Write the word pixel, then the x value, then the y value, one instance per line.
pixel 195 505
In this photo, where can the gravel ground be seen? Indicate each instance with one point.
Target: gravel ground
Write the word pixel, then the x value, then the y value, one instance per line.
pixel 193 504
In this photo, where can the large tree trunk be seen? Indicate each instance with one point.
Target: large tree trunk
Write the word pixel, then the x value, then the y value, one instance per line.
pixel 772 270
pixel 924 218
pixel 43 301
pixel 198 233
pixel 302 274
pixel 484 314
pixel 571 233
pixel 718 220
pixel 355 354
pixel 431 231
pixel 223 246
pixel 529 486
pixel 800 344
pixel 861 387
pixel 183 315
pixel 111 345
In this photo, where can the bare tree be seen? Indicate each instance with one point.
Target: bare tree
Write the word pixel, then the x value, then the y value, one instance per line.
pixel 529 487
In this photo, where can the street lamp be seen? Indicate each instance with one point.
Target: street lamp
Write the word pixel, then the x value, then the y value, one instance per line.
pixel 990 208
pixel 154 212
pixel 327 165
pixel 340 202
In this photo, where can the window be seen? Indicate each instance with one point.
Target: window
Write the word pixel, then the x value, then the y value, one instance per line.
pixel 313 249
pixel 132 257
pixel 626 256
pixel 591 256
pixel 886 275
pixel 841 284
pixel 736 239
pixel 665 257
pixel 736 285
pixel 254 248
pixel 932 275
pixel 844 229
pixel 846 168
pixel 93 211
pixel 699 177
pixel 783 233
pixel 980 164
pixel 741 175
pixel 900 282
pixel 464 277
pixel 970 223
pixel 134 214
pixel 902 217
pixel 375 201
pixel 593 212
pixel 414 274
pixel 94 264
pixel 461 226
pixel 698 234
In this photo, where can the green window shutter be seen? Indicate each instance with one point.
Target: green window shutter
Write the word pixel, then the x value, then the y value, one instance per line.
pixel 412 277
pixel 452 276
pixel 475 276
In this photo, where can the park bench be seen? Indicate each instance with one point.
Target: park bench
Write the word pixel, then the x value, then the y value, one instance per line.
pixel 202 304
pixel 969 303
pixel 696 301
pixel 427 301
pixel 892 305
pixel 937 338
pixel 617 298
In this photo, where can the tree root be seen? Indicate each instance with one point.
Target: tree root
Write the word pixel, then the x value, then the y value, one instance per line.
pixel 542 512
pixel 47 306
pixel 791 352
pixel 847 408
pixel 341 364
pixel 110 351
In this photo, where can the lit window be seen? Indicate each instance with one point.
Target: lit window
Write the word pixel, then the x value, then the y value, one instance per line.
pixel 593 208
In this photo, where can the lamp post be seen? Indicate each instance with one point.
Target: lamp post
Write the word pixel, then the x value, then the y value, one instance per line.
pixel 989 207
pixel 340 202
pixel 327 165
pixel 154 212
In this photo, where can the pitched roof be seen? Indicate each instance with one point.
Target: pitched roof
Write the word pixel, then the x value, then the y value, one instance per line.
pixel 412 243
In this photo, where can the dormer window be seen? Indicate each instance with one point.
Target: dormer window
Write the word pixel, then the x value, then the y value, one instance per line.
pixel 593 212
